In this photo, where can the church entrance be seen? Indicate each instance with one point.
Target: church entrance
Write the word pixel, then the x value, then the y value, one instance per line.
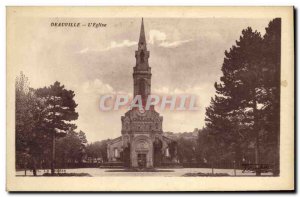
pixel 142 160
pixel 141 152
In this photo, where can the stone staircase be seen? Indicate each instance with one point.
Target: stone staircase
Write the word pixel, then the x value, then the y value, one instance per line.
pixel 112 164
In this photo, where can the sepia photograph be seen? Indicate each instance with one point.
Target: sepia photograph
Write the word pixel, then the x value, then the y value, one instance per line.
pixel 198 96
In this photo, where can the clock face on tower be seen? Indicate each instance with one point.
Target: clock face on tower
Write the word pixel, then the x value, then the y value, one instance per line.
pixel 142 111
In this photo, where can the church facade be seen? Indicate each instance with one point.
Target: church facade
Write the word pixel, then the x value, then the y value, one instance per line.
pixel 142 143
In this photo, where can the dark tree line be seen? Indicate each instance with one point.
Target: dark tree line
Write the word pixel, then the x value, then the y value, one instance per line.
pixel 97 150
pixel 187 150
pixel 71 149
pixel 242 121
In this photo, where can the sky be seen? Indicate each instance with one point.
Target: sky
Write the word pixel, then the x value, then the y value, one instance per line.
pixel 186 56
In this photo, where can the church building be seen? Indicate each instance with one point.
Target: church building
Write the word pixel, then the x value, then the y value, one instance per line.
pixel 142 143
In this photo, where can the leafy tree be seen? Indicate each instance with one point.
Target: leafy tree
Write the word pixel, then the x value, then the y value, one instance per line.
pixel 24 123
pixel 30 136
pixel 97 149
pixel 186 150
pixel 83 141
pixel 82 137
pixel 68 149
pixel 60 106
pixel 209 151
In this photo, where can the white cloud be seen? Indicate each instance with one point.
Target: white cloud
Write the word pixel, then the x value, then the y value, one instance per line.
pixel 113 45
pixel 173 44
pixel 160 38
pixel 124 43
pixel 155 35
pixel 96 87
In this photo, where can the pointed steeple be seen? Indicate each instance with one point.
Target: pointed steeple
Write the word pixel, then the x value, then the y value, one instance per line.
pixel 142 39
pixel 142 70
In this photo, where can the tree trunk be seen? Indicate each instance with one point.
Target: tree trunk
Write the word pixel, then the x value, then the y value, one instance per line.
pixel 256 130
pixel 25 167
pixel 53 154
pixel 277 155
pixel 33 165
pixel 276 170
pixel 234 168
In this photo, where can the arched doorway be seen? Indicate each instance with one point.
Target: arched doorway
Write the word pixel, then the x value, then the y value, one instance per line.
pixel 141 155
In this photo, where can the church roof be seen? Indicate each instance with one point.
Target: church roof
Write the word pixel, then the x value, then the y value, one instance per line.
pixel 112 141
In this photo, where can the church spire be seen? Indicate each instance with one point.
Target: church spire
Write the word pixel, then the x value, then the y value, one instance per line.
pixel 142 54
pixel 142 71
pixel 142 39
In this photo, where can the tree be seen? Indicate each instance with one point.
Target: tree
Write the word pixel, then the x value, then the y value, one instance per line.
pixel 30 136
pixel 247 102
pixel 271 98
pixel 97 149
pixel 236 102
pixel 186 150
pixel 24 123
pixel 82 138
pixel 68 149
pixel 83 143
pixel 60 107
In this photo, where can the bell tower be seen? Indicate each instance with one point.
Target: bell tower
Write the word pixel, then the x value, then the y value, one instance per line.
pixel 142 71
pixel 142 142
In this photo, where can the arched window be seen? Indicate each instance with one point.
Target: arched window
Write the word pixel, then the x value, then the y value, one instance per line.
pixel 167 153
pixel 142 56
pixel 142 87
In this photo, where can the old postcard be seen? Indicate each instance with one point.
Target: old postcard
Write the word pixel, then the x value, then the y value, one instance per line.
pixel 150 98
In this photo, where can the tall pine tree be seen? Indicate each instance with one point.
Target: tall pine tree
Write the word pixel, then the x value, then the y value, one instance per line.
pixel 234 112
pixel 60 107
pixel 271 96
pixel 246 108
